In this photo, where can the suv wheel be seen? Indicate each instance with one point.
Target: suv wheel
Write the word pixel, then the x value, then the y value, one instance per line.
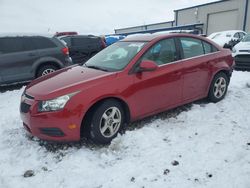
pixel 107 121
pixel 44 70
pixel 218 88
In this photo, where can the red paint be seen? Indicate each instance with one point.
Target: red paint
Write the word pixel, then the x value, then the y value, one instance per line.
pixel 145 93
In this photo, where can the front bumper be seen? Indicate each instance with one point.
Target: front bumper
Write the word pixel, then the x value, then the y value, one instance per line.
pixel 59 126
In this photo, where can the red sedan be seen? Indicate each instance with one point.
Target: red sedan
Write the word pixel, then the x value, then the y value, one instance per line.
pixel 131 79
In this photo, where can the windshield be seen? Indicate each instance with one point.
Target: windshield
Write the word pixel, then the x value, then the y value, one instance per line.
pixel 246 38
pixel 115 57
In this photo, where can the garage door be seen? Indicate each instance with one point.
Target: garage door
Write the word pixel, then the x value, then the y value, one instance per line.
pixel 222 21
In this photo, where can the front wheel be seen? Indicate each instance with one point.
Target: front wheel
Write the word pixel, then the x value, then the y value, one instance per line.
pixel 218 87
pixel 107 121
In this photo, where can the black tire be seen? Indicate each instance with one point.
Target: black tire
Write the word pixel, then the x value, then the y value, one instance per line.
pixel 216 92
pixel 98 122
pixel 45 68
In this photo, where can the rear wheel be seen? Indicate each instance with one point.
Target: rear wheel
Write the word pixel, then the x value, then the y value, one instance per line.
pixel 218 87
pixel 107 121
pixel 46 69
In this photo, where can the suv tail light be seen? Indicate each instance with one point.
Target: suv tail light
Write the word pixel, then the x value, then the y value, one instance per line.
pixel 65 51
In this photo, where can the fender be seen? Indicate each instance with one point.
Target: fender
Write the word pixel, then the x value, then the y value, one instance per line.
pixel 43 60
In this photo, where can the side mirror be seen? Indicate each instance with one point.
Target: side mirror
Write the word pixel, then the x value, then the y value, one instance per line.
pixel 147 65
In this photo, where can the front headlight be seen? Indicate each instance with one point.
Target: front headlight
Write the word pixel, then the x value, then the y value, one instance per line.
pixel 54 104
pixel 234 50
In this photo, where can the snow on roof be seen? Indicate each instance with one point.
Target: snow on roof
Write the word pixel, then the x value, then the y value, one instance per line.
pixel 12 34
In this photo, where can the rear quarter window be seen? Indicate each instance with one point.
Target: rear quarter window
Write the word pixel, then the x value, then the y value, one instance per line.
pixel 209 48
pixel 43 43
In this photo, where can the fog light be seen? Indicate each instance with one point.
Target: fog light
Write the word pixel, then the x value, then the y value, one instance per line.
pixel 72 126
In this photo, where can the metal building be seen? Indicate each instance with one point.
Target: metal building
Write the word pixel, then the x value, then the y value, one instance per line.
pixel 206 18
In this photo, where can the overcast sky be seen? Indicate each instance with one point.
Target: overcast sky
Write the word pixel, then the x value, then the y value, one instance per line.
pixel 86 16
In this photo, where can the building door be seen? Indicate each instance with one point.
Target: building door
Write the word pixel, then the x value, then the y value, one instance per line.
pixel 221 21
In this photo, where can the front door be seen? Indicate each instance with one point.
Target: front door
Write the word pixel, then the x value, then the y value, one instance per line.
pixel 162 88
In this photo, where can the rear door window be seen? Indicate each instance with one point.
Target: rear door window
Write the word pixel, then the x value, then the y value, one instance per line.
pixel 11 45
pixel 80 41
pixel 191 47
pixel 28 44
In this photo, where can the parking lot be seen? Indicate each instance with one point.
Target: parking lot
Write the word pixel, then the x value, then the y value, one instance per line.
pixel 205 145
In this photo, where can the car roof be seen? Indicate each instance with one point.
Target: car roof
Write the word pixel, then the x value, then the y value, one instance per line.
pixel 26 35
pixel 78 36
pixel 150 37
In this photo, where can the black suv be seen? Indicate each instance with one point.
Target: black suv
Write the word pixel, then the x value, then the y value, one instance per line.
pixel 83 47
pixel 23 58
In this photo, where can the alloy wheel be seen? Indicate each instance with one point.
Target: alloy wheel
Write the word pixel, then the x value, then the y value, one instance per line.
pixel 220 86
pixel 110 122
pixel 47 71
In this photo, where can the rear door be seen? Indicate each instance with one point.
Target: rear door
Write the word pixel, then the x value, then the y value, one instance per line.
pixel 17 56
pixel 159 89
pixel 197 55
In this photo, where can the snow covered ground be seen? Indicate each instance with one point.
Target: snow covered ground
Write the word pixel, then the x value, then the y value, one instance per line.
pixel 211 143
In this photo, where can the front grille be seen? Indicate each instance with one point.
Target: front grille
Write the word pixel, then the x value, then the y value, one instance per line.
pixel 242 62
pixel 244 51
pixel 24 108
pixel 52 132
pixel 28 96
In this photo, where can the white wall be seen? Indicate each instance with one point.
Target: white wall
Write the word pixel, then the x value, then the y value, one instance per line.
pixel 201 14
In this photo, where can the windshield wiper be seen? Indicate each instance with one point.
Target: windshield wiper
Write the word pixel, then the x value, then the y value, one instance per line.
pixel 96 67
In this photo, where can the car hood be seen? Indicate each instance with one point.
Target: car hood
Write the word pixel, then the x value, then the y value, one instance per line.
pixel 221 40
pixel 65 81
pixel 242 46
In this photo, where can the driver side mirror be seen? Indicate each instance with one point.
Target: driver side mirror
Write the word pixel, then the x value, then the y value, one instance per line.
pixel 147 65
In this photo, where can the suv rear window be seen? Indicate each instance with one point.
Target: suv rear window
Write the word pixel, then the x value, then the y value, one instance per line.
pixel 11 45
pixel 83 41
pixel 43 43
pixel 67 40
pixel 80 41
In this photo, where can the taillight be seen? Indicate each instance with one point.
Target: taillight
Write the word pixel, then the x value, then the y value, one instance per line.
pixel 65 51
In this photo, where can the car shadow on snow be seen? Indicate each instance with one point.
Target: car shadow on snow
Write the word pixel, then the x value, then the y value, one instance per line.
pixel 59 148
